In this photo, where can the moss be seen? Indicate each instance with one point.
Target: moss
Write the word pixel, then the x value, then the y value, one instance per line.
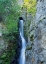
pixel 29 48
pixel 42 19
pixel 6 57
pixel 32 36
pixel 3 56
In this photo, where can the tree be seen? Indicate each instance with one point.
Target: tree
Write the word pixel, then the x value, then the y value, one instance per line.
pixel 29 7
pixel 9 13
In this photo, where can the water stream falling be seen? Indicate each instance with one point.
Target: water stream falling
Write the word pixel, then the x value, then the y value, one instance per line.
pixel 22 56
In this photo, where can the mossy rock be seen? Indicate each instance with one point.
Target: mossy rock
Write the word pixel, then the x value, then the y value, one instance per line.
pixel 32 37
pixel 42 19
pixel 29 48
pixel 3 56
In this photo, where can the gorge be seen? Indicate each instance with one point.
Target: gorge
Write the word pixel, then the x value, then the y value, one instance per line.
pixel 23 32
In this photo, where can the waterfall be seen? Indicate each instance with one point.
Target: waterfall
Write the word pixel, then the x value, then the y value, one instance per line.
pixel 22 55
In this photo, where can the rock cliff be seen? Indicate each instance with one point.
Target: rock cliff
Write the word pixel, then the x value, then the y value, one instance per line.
pixel 36 52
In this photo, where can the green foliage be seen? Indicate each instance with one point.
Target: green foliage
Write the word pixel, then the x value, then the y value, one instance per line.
pixel 30 5
pixel 32 10
pixel 11 23
pixel 6 57
pixel 3 56
pixel 9 12
pixel 4 5
pixel 11 19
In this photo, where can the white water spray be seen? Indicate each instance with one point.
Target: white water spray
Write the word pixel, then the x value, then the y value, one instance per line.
pixel 22 56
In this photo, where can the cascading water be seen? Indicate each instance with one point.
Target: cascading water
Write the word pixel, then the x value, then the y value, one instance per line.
pixel 22 55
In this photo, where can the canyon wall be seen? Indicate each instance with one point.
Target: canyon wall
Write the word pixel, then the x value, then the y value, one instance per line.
pixel 36 52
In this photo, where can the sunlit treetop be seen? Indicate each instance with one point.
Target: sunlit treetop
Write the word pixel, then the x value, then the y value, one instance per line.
pixel 30 5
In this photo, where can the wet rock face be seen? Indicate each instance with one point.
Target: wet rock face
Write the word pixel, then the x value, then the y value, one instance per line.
pixel 37 55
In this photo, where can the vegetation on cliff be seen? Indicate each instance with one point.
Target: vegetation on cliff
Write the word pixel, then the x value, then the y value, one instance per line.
pixel 9 13
pixel 29 7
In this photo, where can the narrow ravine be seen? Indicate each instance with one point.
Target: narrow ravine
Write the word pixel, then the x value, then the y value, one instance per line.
pixel 22 54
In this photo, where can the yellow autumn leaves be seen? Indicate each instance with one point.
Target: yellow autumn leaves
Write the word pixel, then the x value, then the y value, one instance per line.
pixel 30 5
